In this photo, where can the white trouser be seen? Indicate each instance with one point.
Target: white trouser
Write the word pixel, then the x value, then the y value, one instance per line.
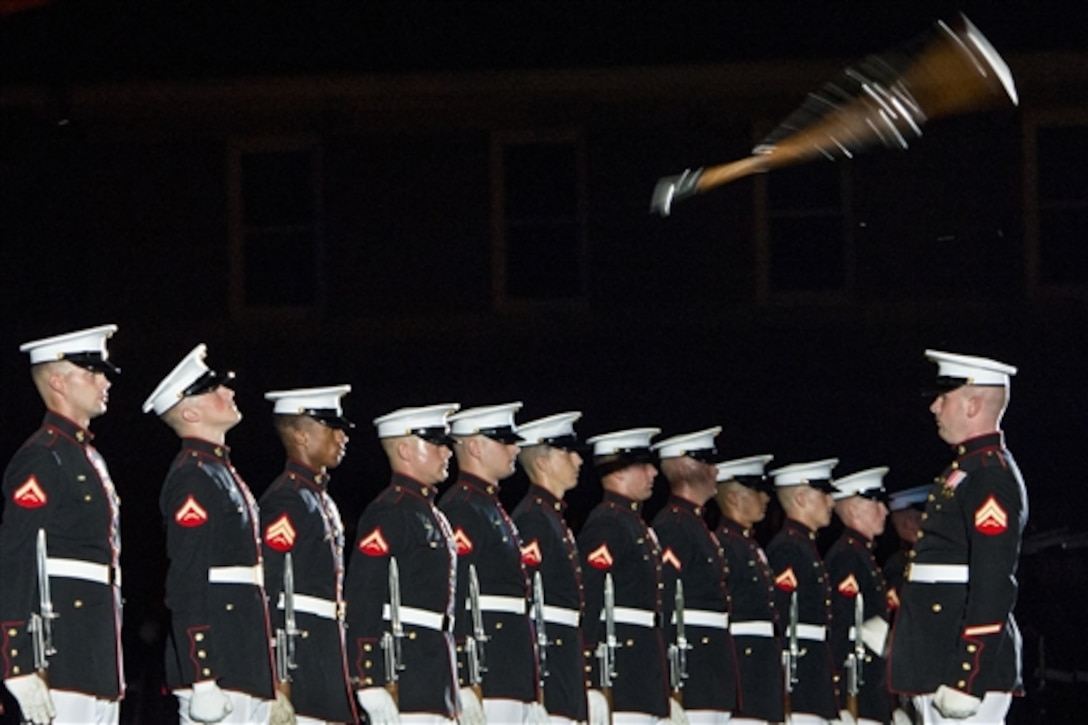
pixel 994 707
pixel 248 710
pixel 504 710
pixel 709 717
pixel 557 720
pixel 424 718
pixel 635 718
pixel 77 708
pixel 806 718
pixel 748 721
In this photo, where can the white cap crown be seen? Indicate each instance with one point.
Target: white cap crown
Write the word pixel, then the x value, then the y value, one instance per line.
pixel 86 348
pixel 322 404
pixel 868 483
pixel 555 429
pixel 190 376
pixel 699 445
pixel 622 441
pixel 803 474
pixel 954 370
pixel 427 422
pixel 493 421
pixel 750 466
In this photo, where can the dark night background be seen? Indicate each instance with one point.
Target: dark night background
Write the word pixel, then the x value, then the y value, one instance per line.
pixel 125 197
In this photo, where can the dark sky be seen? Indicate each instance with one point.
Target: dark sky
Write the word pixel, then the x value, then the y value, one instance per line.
pixel 100 39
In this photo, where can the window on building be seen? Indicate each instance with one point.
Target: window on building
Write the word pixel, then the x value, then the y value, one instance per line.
pixel 276 230
pixel 1059 256
pixel 539 213
pixel 805 237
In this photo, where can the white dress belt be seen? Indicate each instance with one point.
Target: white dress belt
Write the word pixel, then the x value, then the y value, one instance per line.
pixel 704 618
pixel 417 617
pixel 317 606
pixel 561 615
pixel 237 575
pixel 497 603
pixel 90 571
pixel 630 615
pixel 937 573
pixel 754 628
pixel 814 632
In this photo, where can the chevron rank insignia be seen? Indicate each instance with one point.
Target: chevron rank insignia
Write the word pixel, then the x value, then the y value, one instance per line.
pixel 374 544
pixel 280 534
pixel 191 514
pixel 600 558
pixel 786 581
pixel 892 598
pixel 990 518
pixel 848 587
pixel 670 557
pixel 30 495
pixel 530 553
pixel 464 544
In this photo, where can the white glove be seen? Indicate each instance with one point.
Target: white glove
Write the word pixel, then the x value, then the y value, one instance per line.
pixel 845 718
pixel 900 717
pixel 598 708
pixel 874 633
pixel 536 715
pixel 281 712
pixel 33 696
pixel 677 716
pixel 379 706
pixel 472 710
pixel 953 704
pixel 208 703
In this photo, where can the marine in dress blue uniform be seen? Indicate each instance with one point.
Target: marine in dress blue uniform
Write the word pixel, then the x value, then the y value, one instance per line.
pixel 804 490
pixel 487 539
pixel 956 646
pixel 219 659
pixel 692 555
pixel 58 483
pixel 616 541
pixel 300 518
pixel 403 523
pixel 742 496
pixel 854 572
pixel 551 458
pixel 905 512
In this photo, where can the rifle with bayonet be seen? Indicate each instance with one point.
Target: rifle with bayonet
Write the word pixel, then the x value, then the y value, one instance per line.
pixel 606 650
pixel 391 638
pixel 41 622
pixel 541 634
pixel 285 636
pixel 855 658
pixel 678 651
pixel 474 643
pixel 790 655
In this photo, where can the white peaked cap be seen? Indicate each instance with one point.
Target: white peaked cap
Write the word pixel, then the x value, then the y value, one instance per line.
pixel 557 428
pixel 495 421
pixel 319 403
pixel 182 379
pixel 622 441
pixel 700 443
pixel 86 348
pixel 750 466
pixel 908 497
pixel 863 483
pixel 969 369
pixel 800 474
pixel 426 420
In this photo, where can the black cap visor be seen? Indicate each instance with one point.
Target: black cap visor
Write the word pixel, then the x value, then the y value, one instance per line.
pixel 93 361
pixel 207 382
pixel 503 434
pixel 438 435
pixel 329 417
pixel 621 459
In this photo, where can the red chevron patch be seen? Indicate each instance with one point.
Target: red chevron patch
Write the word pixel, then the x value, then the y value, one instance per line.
pixel 530 553
pixel 990 518
pixel 848 587
pixel 191 514
pixel 280 534
pixel 30 495
pixel 600 558
pixel 670 557
pixel 374 544
pixel 786 581
pixel 464 544
pixel 892 599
